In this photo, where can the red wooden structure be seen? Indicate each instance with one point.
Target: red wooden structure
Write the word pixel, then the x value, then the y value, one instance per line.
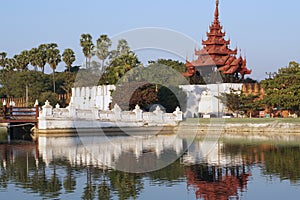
pixel 11 114
pixel 216 54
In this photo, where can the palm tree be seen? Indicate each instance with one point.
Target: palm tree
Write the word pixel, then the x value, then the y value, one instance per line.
pixel 33 58
pixel 10 65
pixel 22 61
pixel 68 58
pixel 3 59
pixel 103 45
pixel 42 56
pixel 53 58
pixel 87 47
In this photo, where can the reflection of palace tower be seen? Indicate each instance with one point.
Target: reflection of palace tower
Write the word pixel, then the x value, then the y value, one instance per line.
pixel 213 174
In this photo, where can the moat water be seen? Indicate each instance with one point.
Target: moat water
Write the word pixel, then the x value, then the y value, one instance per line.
pixel 98 167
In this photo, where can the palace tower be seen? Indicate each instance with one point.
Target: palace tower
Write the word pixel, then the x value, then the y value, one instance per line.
pixel 216 56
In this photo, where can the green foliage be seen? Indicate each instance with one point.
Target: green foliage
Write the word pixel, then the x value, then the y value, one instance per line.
pixel 172 97
pixel 3 59
pixel 144 94
pixel 197 79
pixel 33 57
pixel 174 64
pixel 102 48
pixel 128 95
pixel 65 82
pixel 53 58
pixel 120 60
pixel 14 83
pixel 22 60
pixel 68 57
pixel 50 96
pixel 237 101
pixel 88 77
pixel 87 47
pixel 231 100
pixel 283 161
pixel 128 186
pixel 119 66
pixel 283 91
pixel 41 57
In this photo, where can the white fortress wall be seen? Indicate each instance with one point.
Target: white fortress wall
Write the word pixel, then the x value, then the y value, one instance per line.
pixel 203 98
pixel 89 97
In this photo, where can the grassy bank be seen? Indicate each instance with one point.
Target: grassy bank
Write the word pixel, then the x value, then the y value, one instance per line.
pixel 243 120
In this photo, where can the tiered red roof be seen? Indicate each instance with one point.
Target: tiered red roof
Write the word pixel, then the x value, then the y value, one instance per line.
pixel 216 52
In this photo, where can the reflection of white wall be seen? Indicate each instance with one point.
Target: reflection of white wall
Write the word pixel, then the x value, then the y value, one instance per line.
pixel 104 151
pixel 210 152
pixel 198 101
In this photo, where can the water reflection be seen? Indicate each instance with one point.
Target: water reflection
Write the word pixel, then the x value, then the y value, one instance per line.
pixel 130 154
pixel 69 168
pixel 213 173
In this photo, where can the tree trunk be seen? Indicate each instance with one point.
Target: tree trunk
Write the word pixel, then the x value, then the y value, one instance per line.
pixel 26 95
pixel 53 79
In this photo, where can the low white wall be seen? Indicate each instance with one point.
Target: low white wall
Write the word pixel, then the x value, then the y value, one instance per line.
pixel 71 117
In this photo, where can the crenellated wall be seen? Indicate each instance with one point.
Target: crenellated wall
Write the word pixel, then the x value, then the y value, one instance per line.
pixel 254 89
pixel 74 117
pixel 90 97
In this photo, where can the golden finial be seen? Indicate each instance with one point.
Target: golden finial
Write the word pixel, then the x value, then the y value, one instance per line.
pixel 217 10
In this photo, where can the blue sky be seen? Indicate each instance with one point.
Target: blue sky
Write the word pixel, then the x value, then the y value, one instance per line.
pixel 267 31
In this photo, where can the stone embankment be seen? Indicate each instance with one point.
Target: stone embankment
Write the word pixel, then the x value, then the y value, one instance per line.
pixel 275 128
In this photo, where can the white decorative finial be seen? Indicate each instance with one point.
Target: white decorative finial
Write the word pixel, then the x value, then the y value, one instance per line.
pixel 36 103
pixel 157 108
pixel 47 103
pixel 137 107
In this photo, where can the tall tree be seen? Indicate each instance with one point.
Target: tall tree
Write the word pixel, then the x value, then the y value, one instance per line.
pixel 102 48
pixel 283 90
pixel 237 101
pixel 33 58
pixel 4 73
pixel 174 64
pixel 10 65
pixel 87 48
pixel 41 56
pixel 3 59
pixel 68 58
pixel 22 61
pixel 122 48
pixel 53 58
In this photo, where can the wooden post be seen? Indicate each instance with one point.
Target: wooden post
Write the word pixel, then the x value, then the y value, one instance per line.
pixel 10 108
pixel 37 111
